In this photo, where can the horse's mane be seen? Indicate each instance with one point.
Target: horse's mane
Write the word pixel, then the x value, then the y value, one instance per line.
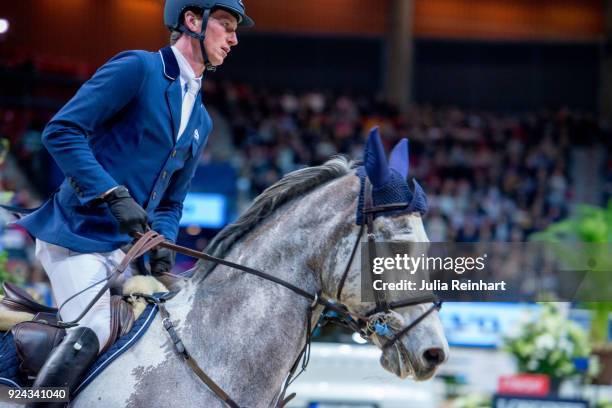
pixel 292 185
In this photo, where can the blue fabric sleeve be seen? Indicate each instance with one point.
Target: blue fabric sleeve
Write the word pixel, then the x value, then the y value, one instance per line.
pixel 111 88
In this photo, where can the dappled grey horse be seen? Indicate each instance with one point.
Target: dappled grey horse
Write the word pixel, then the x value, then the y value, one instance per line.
pixel 246 332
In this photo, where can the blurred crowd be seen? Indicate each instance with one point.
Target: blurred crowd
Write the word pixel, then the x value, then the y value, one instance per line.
pixel 489 176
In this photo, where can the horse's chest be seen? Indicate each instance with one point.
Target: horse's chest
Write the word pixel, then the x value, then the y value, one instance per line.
pixel 130 372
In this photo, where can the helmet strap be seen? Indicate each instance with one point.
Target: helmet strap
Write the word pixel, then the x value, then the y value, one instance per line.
pixel 200 37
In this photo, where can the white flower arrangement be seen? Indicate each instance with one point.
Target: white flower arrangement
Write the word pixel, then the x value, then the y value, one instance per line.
pixel 548 344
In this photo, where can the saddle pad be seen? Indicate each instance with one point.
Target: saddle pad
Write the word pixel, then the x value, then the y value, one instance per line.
pixel 9 363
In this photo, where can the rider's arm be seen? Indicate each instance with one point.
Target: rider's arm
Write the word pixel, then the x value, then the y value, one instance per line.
pixel 111 88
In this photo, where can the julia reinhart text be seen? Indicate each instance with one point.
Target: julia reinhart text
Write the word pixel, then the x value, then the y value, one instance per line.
pixel 438 285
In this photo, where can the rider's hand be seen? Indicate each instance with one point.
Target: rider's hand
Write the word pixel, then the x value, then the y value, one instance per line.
pixel 161 260
pixel 130 216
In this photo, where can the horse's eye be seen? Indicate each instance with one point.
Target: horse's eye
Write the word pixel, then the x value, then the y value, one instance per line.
pixel 386 234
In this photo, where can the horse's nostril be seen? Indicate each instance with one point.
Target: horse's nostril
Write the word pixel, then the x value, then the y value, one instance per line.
pixel 434 356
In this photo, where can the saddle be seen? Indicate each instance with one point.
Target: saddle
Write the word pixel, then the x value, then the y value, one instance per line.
pixel 35 339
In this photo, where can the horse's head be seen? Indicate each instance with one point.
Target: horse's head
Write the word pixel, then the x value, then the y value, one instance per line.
pixel 423 347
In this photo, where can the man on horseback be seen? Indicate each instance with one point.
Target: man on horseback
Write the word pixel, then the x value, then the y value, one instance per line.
pixel 128 143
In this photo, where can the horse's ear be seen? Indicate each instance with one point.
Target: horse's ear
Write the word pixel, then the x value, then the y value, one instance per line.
pixel 375 161
pixel 399 160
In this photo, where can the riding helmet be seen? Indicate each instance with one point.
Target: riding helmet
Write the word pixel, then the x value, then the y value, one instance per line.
pixel 174 9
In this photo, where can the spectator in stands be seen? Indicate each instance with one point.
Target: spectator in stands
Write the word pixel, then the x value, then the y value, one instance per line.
pixel 504 175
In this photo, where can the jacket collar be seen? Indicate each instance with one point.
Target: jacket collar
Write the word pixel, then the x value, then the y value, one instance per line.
pixel 171 67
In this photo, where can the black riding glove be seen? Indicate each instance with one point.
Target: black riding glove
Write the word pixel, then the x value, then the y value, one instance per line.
pixel 128 213
pixel 161 260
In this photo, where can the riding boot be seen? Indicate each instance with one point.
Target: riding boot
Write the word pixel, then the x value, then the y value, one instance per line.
pixel 68 363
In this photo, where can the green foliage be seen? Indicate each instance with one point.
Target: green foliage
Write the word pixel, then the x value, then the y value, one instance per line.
pixel 5 276
pixel 5 197
pixel 548 344
pixel 591 225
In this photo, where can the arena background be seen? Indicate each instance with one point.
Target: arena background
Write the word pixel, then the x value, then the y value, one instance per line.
pixel 507 106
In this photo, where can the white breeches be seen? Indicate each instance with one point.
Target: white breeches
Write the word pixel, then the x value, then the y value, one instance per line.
pixel 70 272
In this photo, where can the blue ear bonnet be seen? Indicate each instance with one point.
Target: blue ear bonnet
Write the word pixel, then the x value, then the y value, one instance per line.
pixel 396 190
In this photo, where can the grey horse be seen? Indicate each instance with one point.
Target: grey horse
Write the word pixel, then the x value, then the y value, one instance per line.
pixel 246 332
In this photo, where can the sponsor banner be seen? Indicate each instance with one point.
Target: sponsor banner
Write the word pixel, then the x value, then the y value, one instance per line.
pixel 534 385
pixel 480 324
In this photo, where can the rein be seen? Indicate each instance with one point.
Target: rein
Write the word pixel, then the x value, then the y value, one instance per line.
pixel 364 325
pixel 372 322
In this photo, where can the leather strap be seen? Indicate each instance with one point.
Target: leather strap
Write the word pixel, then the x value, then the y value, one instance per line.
pixel 284 402
pixel 182 351
pixel 348 265
pixel 147 241
pixel 436 306
pixel 379 296
pixel 407 302
pixel 204 256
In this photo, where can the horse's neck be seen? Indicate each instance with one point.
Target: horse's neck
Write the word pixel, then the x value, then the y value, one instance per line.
pixel 259 323
pixel 306 242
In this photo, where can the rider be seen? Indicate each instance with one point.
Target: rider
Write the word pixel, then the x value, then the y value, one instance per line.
pixel 128 143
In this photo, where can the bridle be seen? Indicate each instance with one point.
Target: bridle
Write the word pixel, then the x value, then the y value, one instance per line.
pixel 382 304
pixel 360 323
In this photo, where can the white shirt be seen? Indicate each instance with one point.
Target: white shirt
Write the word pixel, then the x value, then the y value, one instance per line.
pixel 186 76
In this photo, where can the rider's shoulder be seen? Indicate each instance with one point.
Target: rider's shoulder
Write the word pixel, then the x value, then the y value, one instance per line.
pixel 133 57
pixel 135 63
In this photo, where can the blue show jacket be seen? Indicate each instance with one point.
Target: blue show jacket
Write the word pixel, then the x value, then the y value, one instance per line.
pixel 120 129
